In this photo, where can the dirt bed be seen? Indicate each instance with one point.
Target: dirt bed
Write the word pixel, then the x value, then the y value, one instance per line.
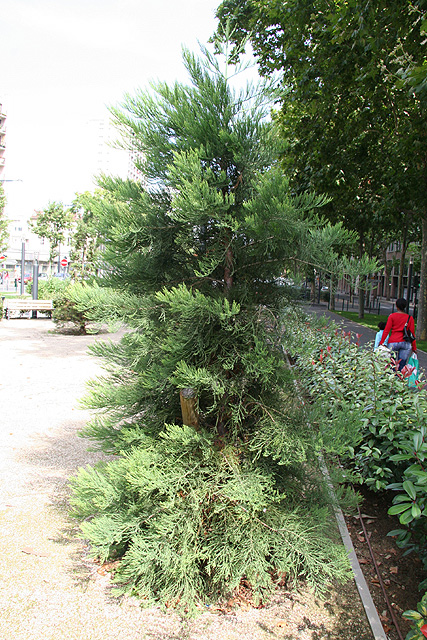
pixel 49 588
pixel 400 575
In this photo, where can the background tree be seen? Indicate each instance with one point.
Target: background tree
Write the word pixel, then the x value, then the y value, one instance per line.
pixel 353 130
pixel 52 224
pixel 4 223
pixel 394 37
pixel 87 242
pixel 215 473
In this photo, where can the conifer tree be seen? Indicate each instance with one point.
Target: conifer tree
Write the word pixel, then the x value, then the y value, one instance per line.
pixel 214 477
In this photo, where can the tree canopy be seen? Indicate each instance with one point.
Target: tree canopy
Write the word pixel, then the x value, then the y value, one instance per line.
pixel 353 129
pixel 52 223
pixel 87 240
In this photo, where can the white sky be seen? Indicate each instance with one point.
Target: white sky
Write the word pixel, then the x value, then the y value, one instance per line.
pixel 62 62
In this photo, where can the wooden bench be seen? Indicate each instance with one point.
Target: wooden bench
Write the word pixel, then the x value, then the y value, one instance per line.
pixel 13 304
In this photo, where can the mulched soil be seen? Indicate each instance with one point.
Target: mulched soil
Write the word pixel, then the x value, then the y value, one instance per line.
pixel 400 574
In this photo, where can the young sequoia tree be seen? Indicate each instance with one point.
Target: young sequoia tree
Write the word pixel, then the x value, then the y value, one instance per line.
pixel 215 477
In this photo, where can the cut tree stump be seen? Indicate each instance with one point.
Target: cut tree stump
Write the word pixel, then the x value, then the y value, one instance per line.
pixel 190 416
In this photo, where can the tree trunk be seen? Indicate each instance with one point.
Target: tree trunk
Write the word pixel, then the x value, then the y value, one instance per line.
pixel 361 303
pixel 402 262
pixel 313 291
pixel 332 286
pixel 421 332
pixel 188 399
pixel 361 291
pixel 386 289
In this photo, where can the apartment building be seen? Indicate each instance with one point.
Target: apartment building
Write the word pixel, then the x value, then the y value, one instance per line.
pixel 25 244
pixel 107 157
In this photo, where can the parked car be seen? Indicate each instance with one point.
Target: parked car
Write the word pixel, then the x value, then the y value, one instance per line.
pixel 43 276
pixel 62 276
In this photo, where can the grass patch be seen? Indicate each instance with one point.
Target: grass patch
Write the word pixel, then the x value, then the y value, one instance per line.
pixel 13 295
pixel 370 320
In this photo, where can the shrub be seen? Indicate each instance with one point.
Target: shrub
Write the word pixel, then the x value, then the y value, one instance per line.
pixel 51 288
pixel 385 435
pixel 90 307
pixel 85 306
pixel 369 405
pixel 419 617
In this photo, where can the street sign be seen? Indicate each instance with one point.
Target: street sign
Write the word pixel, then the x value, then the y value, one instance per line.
pixel 2 258
pixel 64 262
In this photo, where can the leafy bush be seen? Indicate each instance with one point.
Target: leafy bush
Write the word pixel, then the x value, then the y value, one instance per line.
pixel 364 393
pixel 419 617
pixel 51 288
pixel 90 307
pixel 411 500
pixel 385 439
pixel 411 503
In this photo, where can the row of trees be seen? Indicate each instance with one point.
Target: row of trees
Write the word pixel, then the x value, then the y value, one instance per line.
pixel 352 110
pixel 79 223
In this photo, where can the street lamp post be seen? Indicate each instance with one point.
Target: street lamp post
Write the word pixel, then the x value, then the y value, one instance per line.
pixel 22 267
pixel 35 288
pixel 35 275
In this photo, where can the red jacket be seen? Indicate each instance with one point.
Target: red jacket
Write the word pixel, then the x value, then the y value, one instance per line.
pixel 395 323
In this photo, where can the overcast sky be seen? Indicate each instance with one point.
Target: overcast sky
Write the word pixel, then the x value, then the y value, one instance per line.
pixel 63 62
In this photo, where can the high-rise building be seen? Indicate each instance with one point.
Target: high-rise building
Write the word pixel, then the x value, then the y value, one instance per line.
pixel 107 157
pixel 104 157
pixel 135 157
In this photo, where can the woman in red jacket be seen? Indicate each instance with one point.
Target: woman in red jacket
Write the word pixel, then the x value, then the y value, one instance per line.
pixel 395 323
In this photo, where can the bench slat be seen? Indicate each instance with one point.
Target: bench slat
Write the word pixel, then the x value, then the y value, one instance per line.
pixel 10 305
pixel 28 304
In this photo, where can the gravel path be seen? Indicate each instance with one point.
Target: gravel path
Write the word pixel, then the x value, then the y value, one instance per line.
pixel 49 589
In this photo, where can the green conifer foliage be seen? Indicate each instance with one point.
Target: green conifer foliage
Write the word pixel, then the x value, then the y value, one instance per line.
pixel 223 485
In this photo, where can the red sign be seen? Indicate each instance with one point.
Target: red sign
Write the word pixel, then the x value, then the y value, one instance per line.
pixel 2 257
pixel 64 262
